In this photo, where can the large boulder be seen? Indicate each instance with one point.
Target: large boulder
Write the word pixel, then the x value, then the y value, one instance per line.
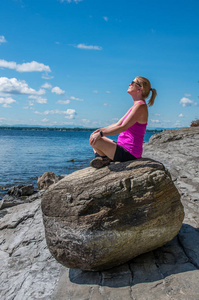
pixel 98 219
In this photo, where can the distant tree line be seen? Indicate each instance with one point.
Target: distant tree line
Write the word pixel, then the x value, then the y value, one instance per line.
pixel 59 129
pixel 45 128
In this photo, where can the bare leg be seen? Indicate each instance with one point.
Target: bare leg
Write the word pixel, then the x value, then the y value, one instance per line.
pixel 105 146
pixel 98 151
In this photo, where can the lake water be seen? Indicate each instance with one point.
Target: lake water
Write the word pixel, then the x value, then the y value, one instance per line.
pixel 27 154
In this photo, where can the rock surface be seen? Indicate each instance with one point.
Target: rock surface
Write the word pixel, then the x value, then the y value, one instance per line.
pixel 99 219
pixel 21 190
pixel 47 179
pixel 178 150
pixel 9 201
pixel 28 271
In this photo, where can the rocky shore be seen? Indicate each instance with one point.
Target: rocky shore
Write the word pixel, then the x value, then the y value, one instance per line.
pixel 28 271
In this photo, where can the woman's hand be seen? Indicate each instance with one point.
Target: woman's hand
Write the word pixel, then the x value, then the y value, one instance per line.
pixel 97 130
pixel 95 136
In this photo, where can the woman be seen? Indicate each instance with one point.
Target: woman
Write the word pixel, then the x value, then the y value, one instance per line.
pixel 131 128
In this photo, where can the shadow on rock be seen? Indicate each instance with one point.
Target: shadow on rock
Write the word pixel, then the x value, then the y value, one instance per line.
pixel 178 256
pixel 135 164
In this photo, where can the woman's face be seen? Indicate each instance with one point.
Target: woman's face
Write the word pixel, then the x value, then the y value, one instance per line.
pixel 133 87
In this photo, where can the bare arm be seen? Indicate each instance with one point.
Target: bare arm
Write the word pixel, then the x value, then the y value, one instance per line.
pixel 138 113
pixel 112 126
pixel 132 118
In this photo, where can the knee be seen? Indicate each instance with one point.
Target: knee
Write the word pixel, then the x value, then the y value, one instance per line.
pixel 96 144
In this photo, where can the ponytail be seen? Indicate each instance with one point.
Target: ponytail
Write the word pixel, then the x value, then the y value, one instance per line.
pixel 152 99
pixel 146 88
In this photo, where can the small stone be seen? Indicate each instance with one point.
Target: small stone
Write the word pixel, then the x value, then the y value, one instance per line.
pixel 47 179
pixel 21 190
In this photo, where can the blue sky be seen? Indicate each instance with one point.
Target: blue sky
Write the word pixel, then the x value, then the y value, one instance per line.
pixel 70 62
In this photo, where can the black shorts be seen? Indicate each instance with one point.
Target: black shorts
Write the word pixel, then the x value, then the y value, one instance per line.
pixel 122 154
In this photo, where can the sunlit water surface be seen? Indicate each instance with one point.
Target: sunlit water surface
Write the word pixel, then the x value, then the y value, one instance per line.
pixel 27 154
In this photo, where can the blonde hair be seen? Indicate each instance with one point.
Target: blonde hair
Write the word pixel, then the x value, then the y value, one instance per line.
pixel 146 88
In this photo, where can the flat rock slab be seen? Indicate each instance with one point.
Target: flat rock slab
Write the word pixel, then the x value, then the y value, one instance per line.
pixel 99 219
pixel 27 269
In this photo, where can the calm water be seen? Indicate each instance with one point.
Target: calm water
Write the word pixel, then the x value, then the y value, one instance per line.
pixel 25 154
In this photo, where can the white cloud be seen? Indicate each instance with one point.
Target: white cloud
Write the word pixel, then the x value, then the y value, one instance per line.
pixel 68 101
pixel 69 112
pixel 38 99
pixel 2 120
pixel 95 92
pixel 57 90
pixel 70 1
pixel 115 119
pixel 46 76
pixel 177 124
pixel 6 64
pixel 106 104
pixel 31 103
pixel 158 115
pixel 45 120
pixel 33 67
pixel 181 116
pixel 105 19
pixel 63 101
pixel 155 121
pixel 108 92
pixel 46 85
pixel 85 121
pixel 7 101
pixel 25 67
pixel 88 47
pixel 69 117
pixel 186 102
pixel 75 98
pixel 2 39
pixel 14 86
pixel 187 95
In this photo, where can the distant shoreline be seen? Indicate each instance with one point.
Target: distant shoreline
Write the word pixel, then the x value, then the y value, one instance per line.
pixel 59 129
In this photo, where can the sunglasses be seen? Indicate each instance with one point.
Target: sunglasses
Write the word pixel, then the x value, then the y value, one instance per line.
pixel 136 83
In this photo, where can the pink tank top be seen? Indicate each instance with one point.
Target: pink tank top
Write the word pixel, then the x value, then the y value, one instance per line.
pixel 132 139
